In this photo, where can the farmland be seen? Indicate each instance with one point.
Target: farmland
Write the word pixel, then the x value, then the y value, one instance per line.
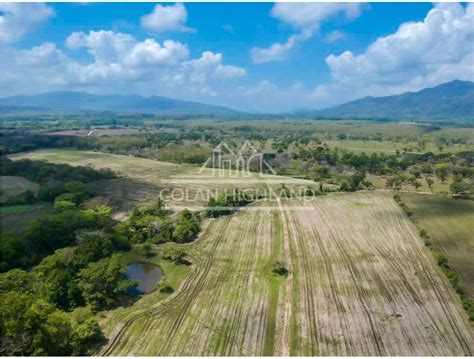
pixel 450 225
pixel 359 278
pixel 143 179
pixel 237 180
pixel 363 284
pixel 95 132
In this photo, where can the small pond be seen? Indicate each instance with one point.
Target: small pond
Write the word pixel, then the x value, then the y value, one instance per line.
pixel 147 275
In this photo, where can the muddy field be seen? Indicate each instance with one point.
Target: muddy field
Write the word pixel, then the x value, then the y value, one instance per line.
pixel 360 283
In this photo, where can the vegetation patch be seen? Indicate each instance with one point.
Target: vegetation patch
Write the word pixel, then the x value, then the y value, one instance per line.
pixel 442 261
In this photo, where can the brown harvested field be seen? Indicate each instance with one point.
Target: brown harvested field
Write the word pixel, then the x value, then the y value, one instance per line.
pixel 360 283
pixel 96 132
pixel 142 179
pixel 450 224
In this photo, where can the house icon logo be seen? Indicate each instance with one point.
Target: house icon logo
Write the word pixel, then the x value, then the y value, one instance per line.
pixel 246 162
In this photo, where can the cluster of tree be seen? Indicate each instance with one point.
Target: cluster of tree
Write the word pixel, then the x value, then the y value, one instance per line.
pixel 155 224
pixel 462 187
pixel 32 326
pixel 58 182
pixel 228 201
pixel 322 163
pixel 49 310
pixel 20 142
pixel 174 254
pixel 44 236
pixel 355 182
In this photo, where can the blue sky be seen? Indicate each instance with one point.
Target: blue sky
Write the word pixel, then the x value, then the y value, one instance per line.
pixel 251 56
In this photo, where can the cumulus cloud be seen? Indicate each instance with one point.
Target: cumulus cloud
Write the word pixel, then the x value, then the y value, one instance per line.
pixel 335 36
pixel 149 52
pixel 104 46
pixel 279 51
pixel 165 18
pixel 304 15
pixel 210 64
pixel 109 46
pixel 18 19
pixel 419 54
pixel 119 63
pixel 304 18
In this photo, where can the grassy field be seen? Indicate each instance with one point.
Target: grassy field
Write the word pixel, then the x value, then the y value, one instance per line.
pixel 450 225
pixel 15 219
pixel 437 187
pixel 143 179
pixel 360 283
pixel 13 185
pixel 391 147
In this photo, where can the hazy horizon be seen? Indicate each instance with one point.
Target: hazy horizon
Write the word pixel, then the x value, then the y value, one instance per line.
pixel 283 57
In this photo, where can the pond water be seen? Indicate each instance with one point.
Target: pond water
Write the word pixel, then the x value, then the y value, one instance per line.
pixel 147 275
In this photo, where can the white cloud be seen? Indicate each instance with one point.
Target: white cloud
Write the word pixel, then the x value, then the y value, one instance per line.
pixel 278 51
pixel 306 19
pixel 119 63
pixel 111 47
pixel 165 18
pixel 104 46
pixel 18 19
pixel 210 65
pixel 335 36
pixel 149 52
pixel 304 15
pixel 419 54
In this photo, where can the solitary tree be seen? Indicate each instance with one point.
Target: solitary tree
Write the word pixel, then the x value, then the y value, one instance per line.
pixel 429 182
pixel 416 184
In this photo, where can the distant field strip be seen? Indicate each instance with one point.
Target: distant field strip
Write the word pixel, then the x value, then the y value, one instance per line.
pixel 450 224
pixel 361 283
pixel 144 179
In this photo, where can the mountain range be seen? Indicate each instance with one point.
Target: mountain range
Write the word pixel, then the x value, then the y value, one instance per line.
pixel 449 101
pixel 71 101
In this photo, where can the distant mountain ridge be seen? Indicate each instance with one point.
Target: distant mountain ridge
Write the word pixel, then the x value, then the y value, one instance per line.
pixel 451 100
pixel 447 102
pixel 83 101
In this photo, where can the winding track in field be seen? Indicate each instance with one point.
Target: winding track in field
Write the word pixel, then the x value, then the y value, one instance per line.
pixel 360 283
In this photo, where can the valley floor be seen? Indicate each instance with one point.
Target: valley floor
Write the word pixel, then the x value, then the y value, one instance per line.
pixel 360 282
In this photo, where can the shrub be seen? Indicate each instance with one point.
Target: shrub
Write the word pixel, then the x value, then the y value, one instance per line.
pixel 441 260
pixel 165 287
pixel 279 268
pixel 468 305
pixel 173 254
